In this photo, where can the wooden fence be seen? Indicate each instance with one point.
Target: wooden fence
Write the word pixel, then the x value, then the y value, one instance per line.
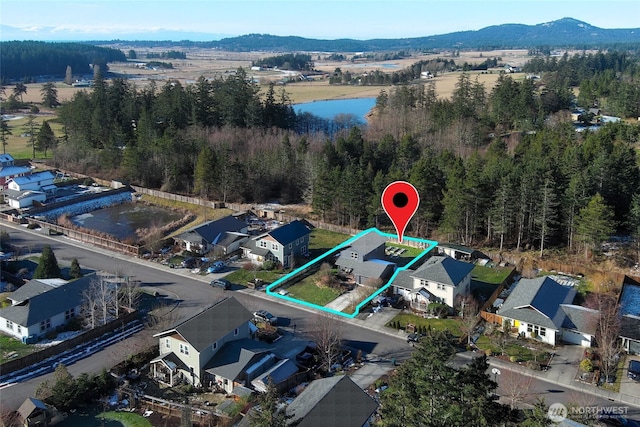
pixel 39 356
pixel 199 416
pixel 491 317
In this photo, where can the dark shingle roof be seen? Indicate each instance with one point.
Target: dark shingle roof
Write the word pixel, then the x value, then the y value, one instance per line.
pixel 630 327
pixel 44 303
pixel 537 301
pixel 212 323
pixel 579 318
pixel 443 269
pixel 334 401
pixel 212 231
pixel 289 232
pixel 367 242
pixel 234 357
pixel 29 405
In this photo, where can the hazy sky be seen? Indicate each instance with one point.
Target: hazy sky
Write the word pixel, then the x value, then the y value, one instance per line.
pixel 359 19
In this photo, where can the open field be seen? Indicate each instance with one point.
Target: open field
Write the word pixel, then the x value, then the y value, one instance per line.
pixel 18 142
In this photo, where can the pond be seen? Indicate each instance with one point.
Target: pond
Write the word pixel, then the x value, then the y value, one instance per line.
pixel 328 109
pixel 123 220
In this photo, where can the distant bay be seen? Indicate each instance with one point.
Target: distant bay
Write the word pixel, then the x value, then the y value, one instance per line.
pixel 328 109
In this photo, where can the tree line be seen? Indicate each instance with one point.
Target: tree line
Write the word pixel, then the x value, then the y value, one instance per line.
pixel 503 166
pixel 288 61
pixel 407 75
pixel 31 58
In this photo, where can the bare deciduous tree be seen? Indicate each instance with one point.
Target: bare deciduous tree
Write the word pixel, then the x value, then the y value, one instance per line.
pixel 515 387
pixel 327 332
pixel 606 323
pixel 469 316
pixel 98 300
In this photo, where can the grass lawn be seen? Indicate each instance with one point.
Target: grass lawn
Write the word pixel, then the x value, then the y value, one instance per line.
pixel 306 290
pixel 411 251
pixel 322 241
pixel 452 325
pixel 9 345
pixel 242 276
pixel 492 275
pixel 128 419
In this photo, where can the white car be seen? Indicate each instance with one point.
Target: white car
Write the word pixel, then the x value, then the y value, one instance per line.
pixel 265 316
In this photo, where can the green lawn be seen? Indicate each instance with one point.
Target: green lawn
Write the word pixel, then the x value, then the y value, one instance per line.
pixel 321 241
pixel 306 290
pixel 242 276
pixel 492 275
pixel 517 349
pixel 128 419
pixel 411 251
pixel 9 345
pixel 452 325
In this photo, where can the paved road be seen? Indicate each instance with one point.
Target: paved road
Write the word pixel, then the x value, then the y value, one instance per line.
pixel 191 291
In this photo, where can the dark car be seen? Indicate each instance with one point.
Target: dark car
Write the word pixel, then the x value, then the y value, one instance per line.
pixel 188 263
pixel 221 283
pixel 414 338
pixel 634 370
pixel 398 301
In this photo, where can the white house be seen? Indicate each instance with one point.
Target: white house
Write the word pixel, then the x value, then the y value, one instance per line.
pixel 24 199
pixel 440 279
pixel 541 308
pixel 281 244
pixel 8 170
pixel 42 305
pixel 39 181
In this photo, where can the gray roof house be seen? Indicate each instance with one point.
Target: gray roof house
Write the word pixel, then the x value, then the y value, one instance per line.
pixel 333 401
pixel 41 305
pixel 282 244
pixel 34 412
pixel 225 234
pixel 365 260
pixel 213 349
pixel 630 333
pixel 439 279
pixel 542 308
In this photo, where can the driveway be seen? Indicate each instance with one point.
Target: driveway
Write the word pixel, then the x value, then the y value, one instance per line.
pixel 629 388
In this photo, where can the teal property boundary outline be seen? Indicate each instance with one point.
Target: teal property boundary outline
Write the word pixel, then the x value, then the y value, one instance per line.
pixel 429 245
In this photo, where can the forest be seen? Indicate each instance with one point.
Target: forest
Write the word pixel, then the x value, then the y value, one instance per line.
pixel 23 59
pixel 288 61
pixel 503 166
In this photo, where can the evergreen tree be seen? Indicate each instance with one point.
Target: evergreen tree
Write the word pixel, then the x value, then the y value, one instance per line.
pixel 49 95
pixel 4 131
pixel 75 272
pixel 48 266
pixel 595 223
pixel 204 178
pixel 269 413
pixel 46 138
pixel 68 76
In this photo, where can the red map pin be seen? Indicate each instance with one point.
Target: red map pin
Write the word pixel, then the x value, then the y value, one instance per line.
pixel 400 201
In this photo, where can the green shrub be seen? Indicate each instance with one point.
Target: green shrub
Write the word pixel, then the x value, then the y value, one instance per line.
pixel 535 366
pixel 74 324
pixel 488 352
pixel 33 226
pixel 586 365
pixel 513 359
pixel 51 334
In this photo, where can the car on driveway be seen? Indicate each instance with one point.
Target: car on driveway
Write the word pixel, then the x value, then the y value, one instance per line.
pixel 216 267
pixel 265 316
pixel 634 370
pixel 221 283
pixel 413 338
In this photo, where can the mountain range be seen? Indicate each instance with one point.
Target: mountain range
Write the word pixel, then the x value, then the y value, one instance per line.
pixel 562 33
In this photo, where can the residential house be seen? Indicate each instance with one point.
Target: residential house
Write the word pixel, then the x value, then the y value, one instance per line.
pixel 8 170
pixel 224 235
pixel 460 252
pixel 24 199
pixel 439 279
pixel 39 181
pixel 364 259
pixel 213 349
pixel 34 413
pixel 333 401
pixel 281 244
pixel 542 308
pixel 42 305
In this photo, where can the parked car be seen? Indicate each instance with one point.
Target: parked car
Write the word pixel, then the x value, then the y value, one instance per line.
pixel 398 301
pixel 221 283
pixel 188 263
pixel 216 267
pixel 414 338
pixel 265 316
pixel 634 370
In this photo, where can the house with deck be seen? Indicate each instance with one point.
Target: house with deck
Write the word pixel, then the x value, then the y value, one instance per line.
pixel 439 279
pixel 364 259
